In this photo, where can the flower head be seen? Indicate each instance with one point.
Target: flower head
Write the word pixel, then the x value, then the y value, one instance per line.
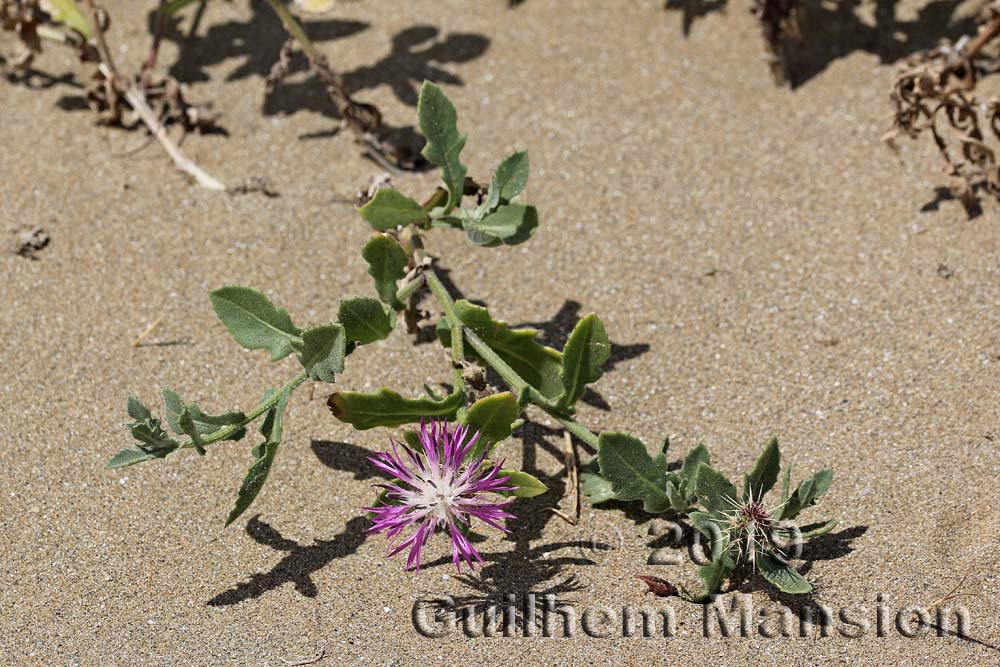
pixel 750 528
pixel 437 488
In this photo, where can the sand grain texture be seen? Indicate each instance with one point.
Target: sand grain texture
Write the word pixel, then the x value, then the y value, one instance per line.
pixel 763 244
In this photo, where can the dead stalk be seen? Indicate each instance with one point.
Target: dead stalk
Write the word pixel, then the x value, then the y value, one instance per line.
pixel 137 100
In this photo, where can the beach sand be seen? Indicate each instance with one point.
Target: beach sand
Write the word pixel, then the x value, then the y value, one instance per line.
pixel 765 266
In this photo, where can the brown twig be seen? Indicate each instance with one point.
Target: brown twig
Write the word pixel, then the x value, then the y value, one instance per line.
pixel 572 482
pixel 148 330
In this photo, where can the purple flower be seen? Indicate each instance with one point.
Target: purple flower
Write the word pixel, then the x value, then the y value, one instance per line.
pixel 433 489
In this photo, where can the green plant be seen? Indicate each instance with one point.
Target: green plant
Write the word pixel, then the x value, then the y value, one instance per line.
pixel 744 534
pixel 534 373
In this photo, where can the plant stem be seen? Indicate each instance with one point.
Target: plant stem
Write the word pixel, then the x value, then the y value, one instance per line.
pixel 457 350
pixel 502 368
pixel 410 288
pixel 261 408
pixel 294 28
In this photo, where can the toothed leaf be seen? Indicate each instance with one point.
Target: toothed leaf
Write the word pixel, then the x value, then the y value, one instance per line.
pixel 264 452
pixel 388 408
pixel 633 473
pixel 439 124
pixel 254 321
pixel 386 264
pixel 596 489
pixel 390 208
pixel 538 364
pixel 323 350
pixel 586 350
pixel 806 494
pixel 492 417
pixel 715 492
pixel 365 320
pixel 528 486
pixel 509 180
pixel 782 575
pixel 765 472
pixel 201 422
pixel 509 224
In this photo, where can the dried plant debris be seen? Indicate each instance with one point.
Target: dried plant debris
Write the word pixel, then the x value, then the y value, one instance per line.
pixel 164 94
pixel 935 91
pixel 376 182
pixel 779 22
pixel 256 184
pixel 34 22
pixel 30 241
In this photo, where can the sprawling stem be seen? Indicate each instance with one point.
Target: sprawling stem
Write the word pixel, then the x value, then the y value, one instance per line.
pixel 457 351
pixel 501 367
pixel 261 408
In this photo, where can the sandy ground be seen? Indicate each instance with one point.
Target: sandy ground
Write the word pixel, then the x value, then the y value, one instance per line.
pixel 764 264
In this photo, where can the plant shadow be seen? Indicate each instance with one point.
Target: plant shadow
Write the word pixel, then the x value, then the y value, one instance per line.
pixel 831 31
pixel 417 53
pixel 552 332
pixel 299 563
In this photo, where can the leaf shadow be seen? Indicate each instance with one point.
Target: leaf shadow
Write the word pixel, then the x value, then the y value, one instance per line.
pixel 298 565
pixel 832 545
pixel 253 44
pixel 556 330
pixel 417 53
pixel 346 457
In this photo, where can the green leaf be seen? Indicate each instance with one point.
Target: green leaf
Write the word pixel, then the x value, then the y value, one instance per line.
pixel 201 422
pixel 593 486
pixel 254 321
pixel 68 13
pixel 154 442
pixel 715 492
pixel 633 473
pixel 390 208
pixel 806 494
pixel 365 320
pixel 439 124
pixel 136 409
pixel 265 452
pixel 586 350
pixel 412 439
pixel 813 529
pixel 492 416
pixel 765 472
pixel 528 486
pixel 714 574
pixel 174 6
pixel 539 365
pixel 510 224
pixel 386 264
pixel 388 408
pixel 691 460
pixel 323 351
pixel 148 431
pixel 127 457
pixel 508 181
pixel 782 575
pixel 785 482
